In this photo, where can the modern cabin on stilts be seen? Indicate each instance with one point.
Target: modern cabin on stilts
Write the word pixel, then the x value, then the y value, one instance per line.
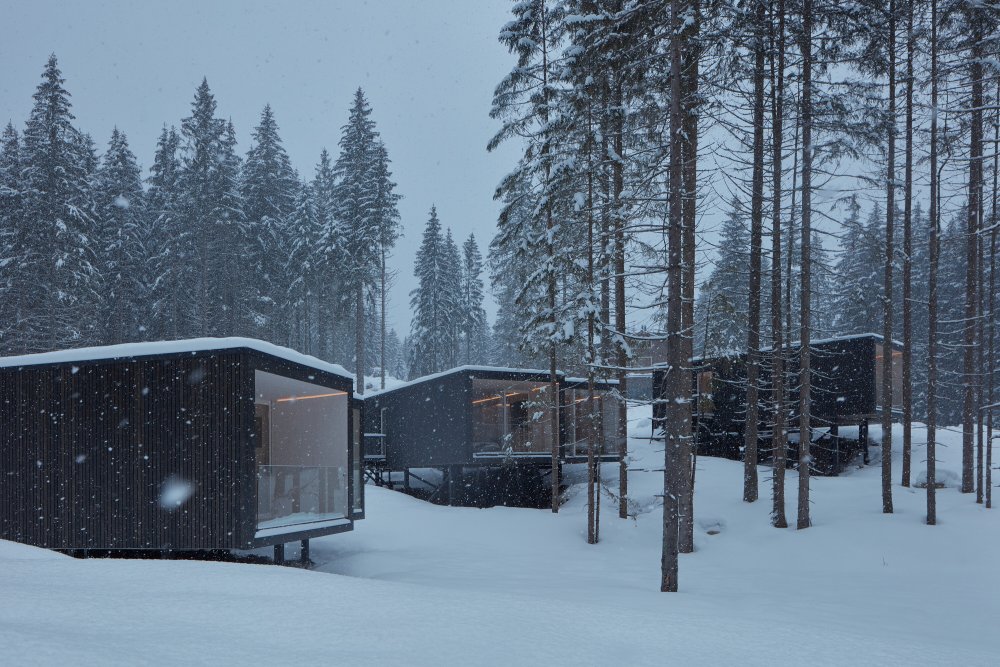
pixel 191 445
pixel 487 431
pixel 846 392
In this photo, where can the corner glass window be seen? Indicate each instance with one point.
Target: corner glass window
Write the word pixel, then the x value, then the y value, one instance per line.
pixel 301 451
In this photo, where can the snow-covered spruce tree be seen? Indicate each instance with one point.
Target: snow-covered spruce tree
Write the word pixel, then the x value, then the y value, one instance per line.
pixel 394 358
pixel 212 214
pixel 300 270
pixel 356 212
pixel 387 215
pixel 328 327
pixel 526 103
pixel 268 188
pixel 451 283
pixel 170 243
pixel 824 280
pixel 723 302
pixel 58 281
pixel 511 290
pixel 952 269
pixel 11 238
pixel 122 251
pixel 435 307
pixel 857 290
pixel 475 331
pixel 610 115
pixel 974 27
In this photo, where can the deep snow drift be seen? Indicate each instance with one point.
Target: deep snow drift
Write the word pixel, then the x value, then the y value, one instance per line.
pixel 434 585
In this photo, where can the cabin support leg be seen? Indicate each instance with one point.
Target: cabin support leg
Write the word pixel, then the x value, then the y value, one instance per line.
pixel 406 479
pixel 279 554
pixel 304 553
pixel 835 441
pixel 450 473
pixel 863 439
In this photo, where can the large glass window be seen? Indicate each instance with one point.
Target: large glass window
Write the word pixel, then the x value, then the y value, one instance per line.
pixel 511 418
pixel 897 376
pixel 577 414
pixel 301 451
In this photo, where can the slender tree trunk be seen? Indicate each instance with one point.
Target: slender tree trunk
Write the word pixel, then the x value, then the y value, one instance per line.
pixel 972 232
pixel 622 357
pixel 980 354
pixel 359 339
pixel 907 374
pixel 592 513
pixel 676 389
pixel 552 284
pixel 805 379
pixel 991 363
pixel 790 254
pixel 689 198
pixel 890 216
pixel 382 325
pixel 932 304
pixel 777 346
pixel 756 231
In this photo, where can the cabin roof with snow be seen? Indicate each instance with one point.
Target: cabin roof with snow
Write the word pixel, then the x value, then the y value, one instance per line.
pixel 169 347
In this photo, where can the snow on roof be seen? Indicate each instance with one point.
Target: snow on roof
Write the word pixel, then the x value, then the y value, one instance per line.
pixel 192 345
pixel 820 341
pixel 460 369
pixel 584 381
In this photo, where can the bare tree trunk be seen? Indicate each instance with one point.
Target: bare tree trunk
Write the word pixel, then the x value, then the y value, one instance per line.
pixel 750 481
pixel 907 374
pixel 991 356
pixel 932 305
pixel 622 357
pixel 592 511
pixel 980 354
pixel 382 325
pixel 972 232
pixel 890 215
pixel 777 347
pixel 689 199
pixel 790 254
pixel 675 387
pixel 552 286
pixel 359 339
pixel 805 379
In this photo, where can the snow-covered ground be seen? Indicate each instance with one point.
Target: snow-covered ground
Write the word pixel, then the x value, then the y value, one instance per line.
pixel 422 584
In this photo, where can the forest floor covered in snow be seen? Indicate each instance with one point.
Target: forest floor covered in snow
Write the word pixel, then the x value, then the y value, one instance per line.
pixel 423 584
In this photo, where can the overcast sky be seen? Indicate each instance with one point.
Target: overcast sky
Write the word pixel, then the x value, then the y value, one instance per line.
pixel 428 68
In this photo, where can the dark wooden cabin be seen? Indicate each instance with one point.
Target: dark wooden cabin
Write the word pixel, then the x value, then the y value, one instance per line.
pixel 472 418
pixel 846 391
pixel 206 444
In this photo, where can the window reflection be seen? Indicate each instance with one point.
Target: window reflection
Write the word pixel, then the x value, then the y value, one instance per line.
pixel 578 412
pixel 511 418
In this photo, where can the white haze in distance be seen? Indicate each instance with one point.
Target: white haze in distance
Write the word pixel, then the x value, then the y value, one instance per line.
pixel 428 68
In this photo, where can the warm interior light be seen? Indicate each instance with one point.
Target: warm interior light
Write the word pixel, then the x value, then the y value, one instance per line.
pixel 289 399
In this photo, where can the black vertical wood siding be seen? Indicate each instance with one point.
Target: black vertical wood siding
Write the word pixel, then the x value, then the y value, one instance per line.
pixel 429 423
pixel 86 450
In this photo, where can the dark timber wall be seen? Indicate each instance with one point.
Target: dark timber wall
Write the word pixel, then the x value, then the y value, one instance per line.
pixel 843 378
pixel 86 449
pixel 428 424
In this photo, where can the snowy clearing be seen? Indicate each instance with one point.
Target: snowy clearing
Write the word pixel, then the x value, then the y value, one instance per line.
pixel 423 584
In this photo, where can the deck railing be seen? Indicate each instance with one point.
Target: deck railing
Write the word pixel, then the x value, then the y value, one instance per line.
pixel 289 494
